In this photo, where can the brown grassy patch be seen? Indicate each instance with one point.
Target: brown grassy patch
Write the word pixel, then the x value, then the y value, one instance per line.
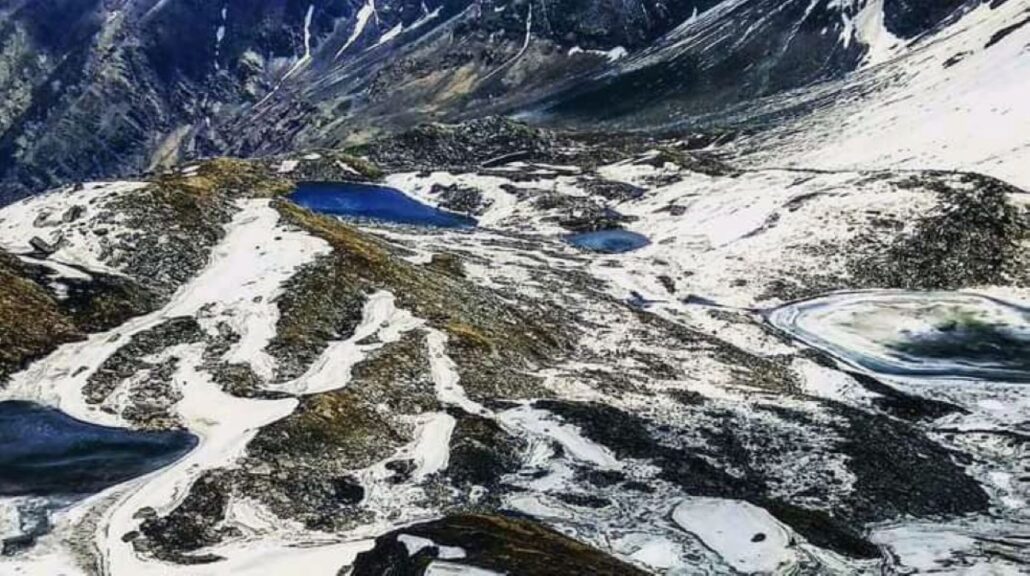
pixel 31 322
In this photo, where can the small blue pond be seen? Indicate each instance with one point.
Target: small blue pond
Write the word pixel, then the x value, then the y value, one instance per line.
pixel 368 201
pixel 44 451
pixel 609 241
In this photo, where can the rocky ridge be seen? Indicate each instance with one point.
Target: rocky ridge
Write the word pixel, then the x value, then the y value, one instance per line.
pixel 420 382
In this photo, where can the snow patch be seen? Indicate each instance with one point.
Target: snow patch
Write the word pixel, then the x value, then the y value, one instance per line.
pixel 746 537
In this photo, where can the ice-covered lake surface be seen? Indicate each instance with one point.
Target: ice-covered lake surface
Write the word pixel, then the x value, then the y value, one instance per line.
pixel 917 334
pixel 372 202
pixel 969 351
pixel 45 451
pixel 609 241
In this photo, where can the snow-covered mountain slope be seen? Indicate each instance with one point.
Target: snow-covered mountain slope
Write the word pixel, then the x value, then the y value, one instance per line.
pixel 954 102
pixel 927 86
pixel 102 89
pixel 378 399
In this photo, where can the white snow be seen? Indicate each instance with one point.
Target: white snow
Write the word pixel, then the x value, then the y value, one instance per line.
pixel 922 110
pixel 219 36
pixel 431 449
pixel 287 166
pixel 612 54
pixel 445 375
pixel 731 529
pixel 416 543
pixel 332 369
pixel 540 422
pixel 426 17
pixel 870 30
pixel 922 547
pixel 366 11
pixel 391 34
pixel 81 246
pixel 659 553
pixel 306 58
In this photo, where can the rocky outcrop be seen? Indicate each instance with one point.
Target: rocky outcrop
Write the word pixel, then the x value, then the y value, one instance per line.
pixel 508 545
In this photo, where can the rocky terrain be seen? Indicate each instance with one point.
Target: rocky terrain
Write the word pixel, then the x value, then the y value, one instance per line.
pixel 378 399
pixel 690 287
pixel 100 89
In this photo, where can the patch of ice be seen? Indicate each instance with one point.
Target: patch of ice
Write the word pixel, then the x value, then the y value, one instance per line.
pixel 568 436
pixel 746 537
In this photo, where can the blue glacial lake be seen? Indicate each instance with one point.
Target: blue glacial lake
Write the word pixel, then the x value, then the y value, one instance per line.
pixel 44 451
pixel 372 202
pixel 608 241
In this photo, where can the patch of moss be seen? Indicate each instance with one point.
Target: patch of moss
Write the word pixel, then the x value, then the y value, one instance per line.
pixel 397 376
pixel 228 176
pixel 34 320
pixel 502 544
pixel 464 335
pixel 493 343
pixel 337 426
pixel 31 322
pixel 106 301
pixel 320 303
pixel 448 264
pixel 358 425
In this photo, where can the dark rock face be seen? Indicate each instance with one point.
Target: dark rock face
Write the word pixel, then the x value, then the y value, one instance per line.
pixel 129 358
pixel 100 90
pixel 737 62
pixel 578 214
pixel 458 147
pixel 190 527
pixel 910 18
pixel 461 199
pixel 899 471
pixel 754 49
pixel 973 238
pixel 481 452
pixel 44 451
